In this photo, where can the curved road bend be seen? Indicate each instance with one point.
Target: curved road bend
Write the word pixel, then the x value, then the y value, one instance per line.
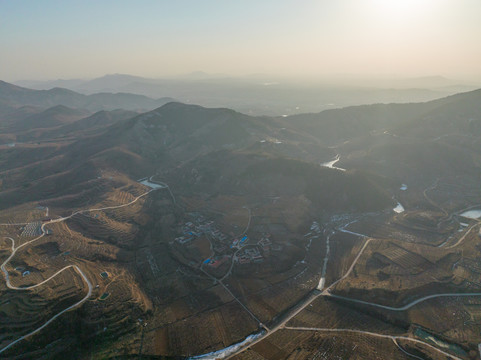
pixel 313 295
pixel 394 338
pixel 405 307
pixel 326 292
pixel 15 249
pixel 248 222
pixel 448 216
pixel 461 239
pixel 348 272
pixel 89 293
pixel 75 267
pixel 164 185
pixel 406 352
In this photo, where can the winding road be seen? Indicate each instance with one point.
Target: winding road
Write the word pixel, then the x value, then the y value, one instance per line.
pixel 300 306
pixel 394 338
pixel 407 306
pixel 75 267
pixel 327 292
pixel 448 217
pixel 461 239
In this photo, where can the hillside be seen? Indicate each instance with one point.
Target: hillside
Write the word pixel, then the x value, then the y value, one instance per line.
pixel 12 96
pixel 51 117
pixel 86 126
pixel 213 225
pixel 280 95
pixel 263 176
pixel 406 142
pixel 338 125
pixel 175 133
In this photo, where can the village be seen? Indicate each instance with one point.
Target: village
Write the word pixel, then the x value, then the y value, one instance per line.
pixel 228 250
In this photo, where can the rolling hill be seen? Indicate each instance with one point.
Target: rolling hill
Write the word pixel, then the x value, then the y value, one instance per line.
pixel 12 96
pixel 231 176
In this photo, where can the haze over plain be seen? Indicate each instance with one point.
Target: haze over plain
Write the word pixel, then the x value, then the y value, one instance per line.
pixel 240 180
pixel 309 39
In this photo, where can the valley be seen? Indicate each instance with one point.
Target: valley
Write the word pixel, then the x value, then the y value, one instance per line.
pixel 189 232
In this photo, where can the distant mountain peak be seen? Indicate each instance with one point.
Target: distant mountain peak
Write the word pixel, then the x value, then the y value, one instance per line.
pixel 63 109
pixel 15 96
pixel 119 75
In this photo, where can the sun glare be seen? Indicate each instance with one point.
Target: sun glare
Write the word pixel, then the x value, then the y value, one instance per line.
pixel 401 9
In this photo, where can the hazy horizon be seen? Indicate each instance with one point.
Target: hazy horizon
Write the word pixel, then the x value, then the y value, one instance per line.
pixel 237 179
pixel 328 79
pixel 371 38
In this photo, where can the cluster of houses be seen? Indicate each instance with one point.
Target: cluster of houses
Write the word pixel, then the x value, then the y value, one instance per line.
pixel 190 231
pixel 239 243
pixel 241 248
pixel 265 244
pixel 249 255
pixel 254 254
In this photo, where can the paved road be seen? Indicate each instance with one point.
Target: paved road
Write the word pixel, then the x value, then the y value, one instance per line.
pixel 407 353
pixel 98 209
pixel 164 185
pixel 227 274
pixel 405 307
pixel 235 254
pixel 299 307
pixel 234 297
pixel 394 338
pixel 75 267
pixel 77 304
pixel 293 312
pixel 461 239
pixel 326 292
pixel 447 216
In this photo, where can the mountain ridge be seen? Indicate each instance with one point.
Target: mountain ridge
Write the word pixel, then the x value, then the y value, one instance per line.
pixel 16 96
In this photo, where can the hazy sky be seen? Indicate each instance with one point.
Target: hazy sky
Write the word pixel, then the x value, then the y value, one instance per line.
pixel 69 39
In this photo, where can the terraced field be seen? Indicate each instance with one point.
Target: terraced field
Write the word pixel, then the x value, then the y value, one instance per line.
pixel 54 258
